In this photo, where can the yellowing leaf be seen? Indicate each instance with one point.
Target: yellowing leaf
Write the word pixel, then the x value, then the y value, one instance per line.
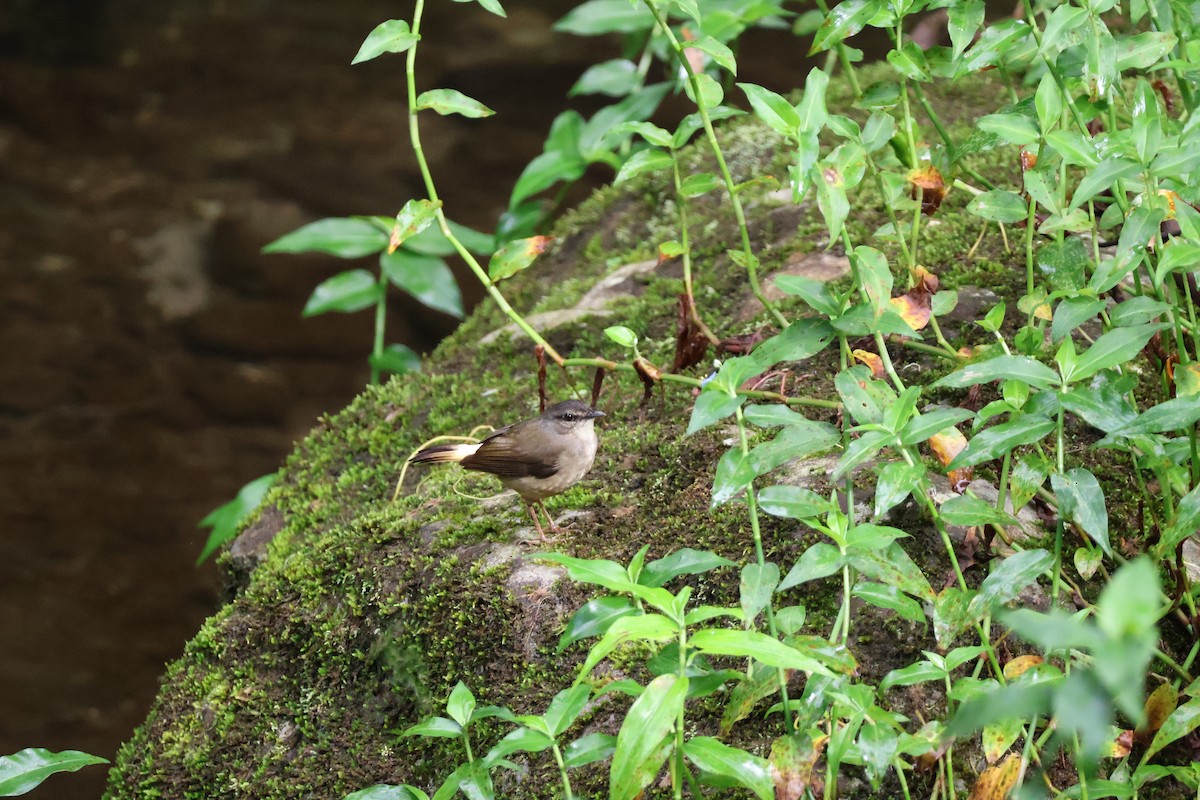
pixel 516 256
pixel 1016 667
pixel 872 360
pixel 996 782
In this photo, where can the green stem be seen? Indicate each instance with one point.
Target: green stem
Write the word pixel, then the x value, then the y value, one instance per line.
pixel 380 324
pixel 414 134
pixel 760 558
pixel 730 187
pixel 562 771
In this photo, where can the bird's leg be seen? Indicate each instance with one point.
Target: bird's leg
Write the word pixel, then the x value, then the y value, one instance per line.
pixel 531 508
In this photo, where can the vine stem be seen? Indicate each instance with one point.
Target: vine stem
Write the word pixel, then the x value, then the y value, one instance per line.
pixel 414 133
pixel 730 187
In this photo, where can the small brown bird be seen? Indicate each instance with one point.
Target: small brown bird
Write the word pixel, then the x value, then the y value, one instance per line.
pixel 538 457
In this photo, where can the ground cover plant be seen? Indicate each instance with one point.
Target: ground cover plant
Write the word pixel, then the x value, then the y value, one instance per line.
pixel 1078 403
pixel 1102 156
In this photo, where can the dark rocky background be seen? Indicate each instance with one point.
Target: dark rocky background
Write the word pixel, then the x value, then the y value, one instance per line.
pixel 152 360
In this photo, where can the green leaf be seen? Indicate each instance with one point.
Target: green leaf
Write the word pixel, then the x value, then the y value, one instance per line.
pixel 1140 228
pixel 735 472
pixel 648 160
pixel 1185 522
pixel 718 52
pixel 383 791
pixel 950 615
pixel 712 406
pixel 1135 311
pixel 910 61
pixel 26 769
pixel 461 704
pixel 1178 414
pixel 1118 346
pixel 1008 579
pixel 633 628
pixel 684 561
pixel 521 740
pixel 919 672
pixel 711 93
pixel 843 21
pixel 225 519
pixel 1020 368
pixel 594 618
pixel 344 237
pixel 515 256
pixel 877 594
pixel 793 502
pixel 996 441
pixel 1081 500
pixel 597 17
pixel 1142 50
pixel 644 740
pixel 1012 128
pixel 757 586
pixel 427 278
pixel 1101 406
pixel 698 184
pixel 414 217
pixel 1101 178
pixel 1065 263
pixel 999 205
pixel 818 561
pixel 1073 312
pixel 622 336
pixel 752 644
pixel 897 480
pixel 452 101
pixel 769 416
pixel 713 756
pixel 893 566
pixel 392 36
pixel 602 572
pixel 347 292
pixel 435 727
pixel 964 19
pixel 773 109
pixel 921 428
pixel 1075 148
pixel 615 78
pixel 397 359
pixel 566 707
pixel 588 749
pixel 967 510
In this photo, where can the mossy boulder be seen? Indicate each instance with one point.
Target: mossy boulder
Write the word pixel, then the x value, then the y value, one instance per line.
pixel 365 610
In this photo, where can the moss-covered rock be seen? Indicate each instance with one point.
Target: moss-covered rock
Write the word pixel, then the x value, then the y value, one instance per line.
pixel 366 610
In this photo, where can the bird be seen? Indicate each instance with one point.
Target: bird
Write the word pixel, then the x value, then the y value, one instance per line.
pixel 537 457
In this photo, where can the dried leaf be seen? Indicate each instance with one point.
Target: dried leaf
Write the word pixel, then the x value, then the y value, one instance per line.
pixel 945 446
pixel 996 782
pixel 743 344
pixel 872 360
pixel 1120 746
pixel 690 343
pixel 1159 705
pixel 1028 160
pixel 793 759
pixel 649 374
pixel 1017 666
pixel 928 186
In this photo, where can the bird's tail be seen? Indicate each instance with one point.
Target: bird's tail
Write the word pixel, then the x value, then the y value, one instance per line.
pixel 444 453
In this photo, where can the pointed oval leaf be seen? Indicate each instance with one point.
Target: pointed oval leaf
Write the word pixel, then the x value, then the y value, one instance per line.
pixel 752 644
pixel 427 278
pixel 344 237
pixel 22 771
pixel 684 561
pixel 773 109
pixel 589 749
pixel 1115 347
pixel 594 618
pixel 452 101
pixel 999 205
pixel 715 757
pixel 1082 501
pixel 1022 368
pixel 392 36
pixel 1008 579
pixel 644 740
pixel 346 292
pixel 996 441
pixel 516 256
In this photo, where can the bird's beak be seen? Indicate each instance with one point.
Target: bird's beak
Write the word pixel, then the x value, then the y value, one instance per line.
pixel 594 413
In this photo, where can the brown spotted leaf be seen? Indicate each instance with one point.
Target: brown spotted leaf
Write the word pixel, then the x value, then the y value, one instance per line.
pixel 516 256
pixel 1016 667
pixel 945 446
pixel 996 782
pixel 793 759
pixel 1159 705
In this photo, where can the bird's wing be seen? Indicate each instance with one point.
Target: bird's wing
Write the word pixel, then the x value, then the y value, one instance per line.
pixel 501 454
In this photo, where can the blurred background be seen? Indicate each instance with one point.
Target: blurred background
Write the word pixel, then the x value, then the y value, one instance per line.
pixel 152 361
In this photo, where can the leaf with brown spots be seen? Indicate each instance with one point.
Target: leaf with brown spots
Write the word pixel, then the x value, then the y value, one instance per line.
pixel 793 759
pixel 1028 160
pixel 516 256
pixel 996 782
pixel 1017 666
pixel 1159 705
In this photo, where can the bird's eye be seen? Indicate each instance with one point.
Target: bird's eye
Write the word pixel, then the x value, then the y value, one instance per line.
pixel 568 417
